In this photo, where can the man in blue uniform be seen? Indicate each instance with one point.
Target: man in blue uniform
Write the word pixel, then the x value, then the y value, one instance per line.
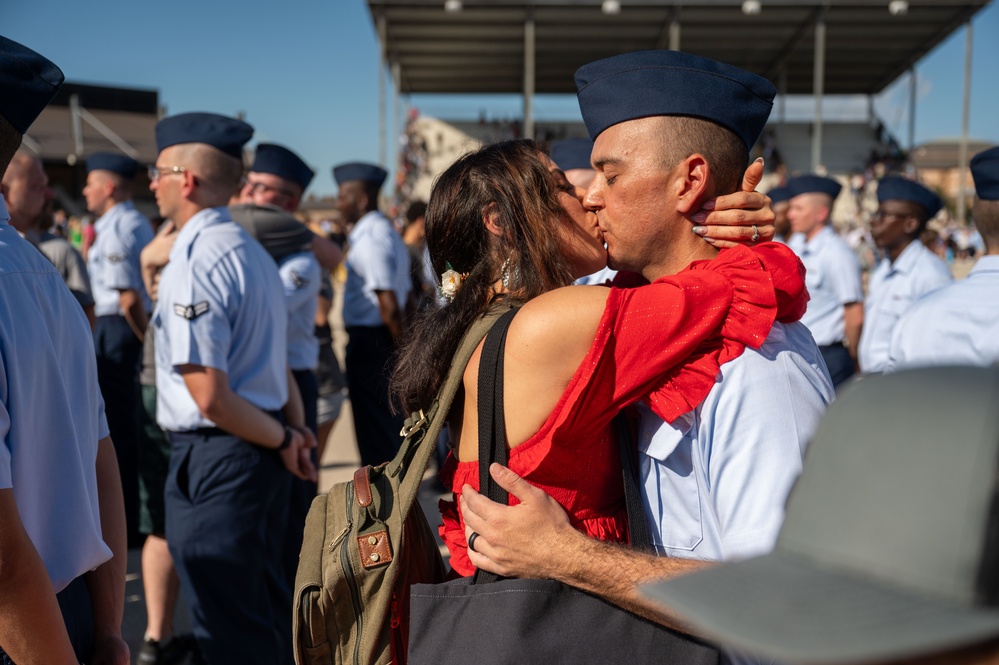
pixel 714 479
pixel 907 271
pixel 222 379
pixel 374 296
pixel 62 524
pixel 121 306
pixel 959 324
pixel 779 201
pixel 835 313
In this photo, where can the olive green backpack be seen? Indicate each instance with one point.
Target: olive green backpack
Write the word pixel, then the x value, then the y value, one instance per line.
pixel 367 541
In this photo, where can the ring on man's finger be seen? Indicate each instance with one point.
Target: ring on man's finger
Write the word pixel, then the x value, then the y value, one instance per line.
pixel 756 234
pixel 471 541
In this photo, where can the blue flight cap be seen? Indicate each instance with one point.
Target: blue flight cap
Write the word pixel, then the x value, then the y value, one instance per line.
pixel 278 160
pixel 28 82
pixel 647 83
pixel 897 188
pixel 572 154
pixel 369 173
pixel 985 171
pixel 813 184
pixel 222 132
pixel 779 195
pixel 124 166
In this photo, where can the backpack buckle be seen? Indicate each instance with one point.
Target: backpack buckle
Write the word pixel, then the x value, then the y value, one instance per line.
pixel 413 422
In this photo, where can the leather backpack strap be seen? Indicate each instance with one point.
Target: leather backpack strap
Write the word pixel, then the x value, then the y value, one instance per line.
pixel 638 528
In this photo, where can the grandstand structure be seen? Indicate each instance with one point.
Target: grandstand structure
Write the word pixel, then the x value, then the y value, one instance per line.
pixel 811 47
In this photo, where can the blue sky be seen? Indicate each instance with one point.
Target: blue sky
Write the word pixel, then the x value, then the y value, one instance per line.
pixel 305 72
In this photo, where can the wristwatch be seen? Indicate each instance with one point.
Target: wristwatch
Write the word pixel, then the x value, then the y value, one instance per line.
pixel 286 441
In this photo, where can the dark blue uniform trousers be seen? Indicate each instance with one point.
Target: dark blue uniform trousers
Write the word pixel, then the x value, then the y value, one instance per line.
pixel 302 491
pixel 119 352
pixel 838 362
pixel 224 497
pixel 369 364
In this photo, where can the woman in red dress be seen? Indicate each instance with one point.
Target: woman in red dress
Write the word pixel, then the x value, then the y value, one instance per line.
pixel 512 230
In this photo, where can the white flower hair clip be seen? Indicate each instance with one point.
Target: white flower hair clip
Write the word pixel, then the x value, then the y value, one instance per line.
pixel 451 281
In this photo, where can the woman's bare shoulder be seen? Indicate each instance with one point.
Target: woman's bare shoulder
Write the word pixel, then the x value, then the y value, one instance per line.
pixel 565 317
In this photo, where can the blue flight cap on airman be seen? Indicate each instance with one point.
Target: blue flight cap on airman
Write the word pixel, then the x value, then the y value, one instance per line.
pixel 813 184
pixel 985 171
pixel 779 195
pixel 370 173
pixel 219 131
pixel 123 165
pixel 28 82
pixel 897 188
pixel 571 154
pixel 278 160
pixel 649 83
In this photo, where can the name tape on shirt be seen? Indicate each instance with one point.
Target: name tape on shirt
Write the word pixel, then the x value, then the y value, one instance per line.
pixel 191 312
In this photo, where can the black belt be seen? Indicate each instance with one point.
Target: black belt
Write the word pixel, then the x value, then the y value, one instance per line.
pixel 218 431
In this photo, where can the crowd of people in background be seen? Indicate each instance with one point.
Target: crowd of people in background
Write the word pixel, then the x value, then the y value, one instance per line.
pixel 191 357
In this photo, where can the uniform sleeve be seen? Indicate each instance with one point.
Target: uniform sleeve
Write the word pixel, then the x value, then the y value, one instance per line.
pixel 844 276
pixel 282 237
pixel 300 277
pixel 375 260
pixel 121 254
pixel 196 316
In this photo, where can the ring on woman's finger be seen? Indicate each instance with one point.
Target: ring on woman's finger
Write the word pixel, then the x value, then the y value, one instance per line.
pixel 471 541
pixel 756 234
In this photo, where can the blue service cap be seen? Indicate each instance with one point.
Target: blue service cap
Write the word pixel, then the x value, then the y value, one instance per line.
pixel 219 131
pixel 370 173
pixel 571 154
pixel 647 83
pixel 278 160
pixel 124 166
pixel 28 82
pixel 897 188
pixel 985 171
pixel 779 195
pixel 813 184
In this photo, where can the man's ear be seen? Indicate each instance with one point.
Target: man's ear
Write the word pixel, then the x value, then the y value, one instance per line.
pixel 490 217
pixel 693 178
pixel 4 189
pixel 910 226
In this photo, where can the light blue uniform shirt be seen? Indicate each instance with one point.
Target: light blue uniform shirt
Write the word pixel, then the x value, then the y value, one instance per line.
pixel 955 325
pixel 598 278
pixel 376 261
pixel 716 480
pixel 832 274
pixel 892 288
pixel 51 411
pixel 301 275
pixel 113 260
pixel 221 305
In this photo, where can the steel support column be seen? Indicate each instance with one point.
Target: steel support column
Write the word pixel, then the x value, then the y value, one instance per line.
pixel 818 86
pixel 912 110
pixel 962 155
pixel 382 40
pixel 529 75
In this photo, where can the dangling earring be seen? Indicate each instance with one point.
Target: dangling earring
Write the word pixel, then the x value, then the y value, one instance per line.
pixel 505 274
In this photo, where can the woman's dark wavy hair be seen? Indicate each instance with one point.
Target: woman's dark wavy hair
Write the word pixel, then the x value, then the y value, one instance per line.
pixel 510 181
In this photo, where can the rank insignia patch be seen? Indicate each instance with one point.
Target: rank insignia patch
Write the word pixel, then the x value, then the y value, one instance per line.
pixel 115 258
pixel 191 312
pixel 298 280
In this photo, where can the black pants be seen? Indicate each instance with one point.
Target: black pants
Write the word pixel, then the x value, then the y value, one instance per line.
pixel 369 364
pixel 839 363
pixel 78 614
pixel 223 498
pixel 302 491
pixel 118 354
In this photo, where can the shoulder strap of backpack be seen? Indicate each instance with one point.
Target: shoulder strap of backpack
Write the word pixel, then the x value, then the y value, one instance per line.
pixel 422 427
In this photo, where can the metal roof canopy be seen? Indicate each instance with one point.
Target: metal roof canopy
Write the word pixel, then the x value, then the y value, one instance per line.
pixel 481 49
